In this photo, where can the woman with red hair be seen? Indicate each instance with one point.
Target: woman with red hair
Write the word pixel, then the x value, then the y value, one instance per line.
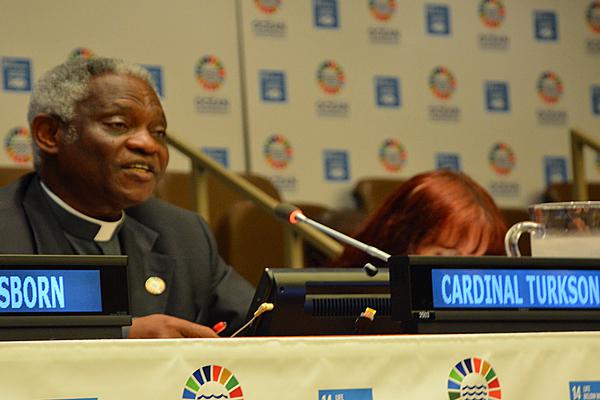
pixel 433 213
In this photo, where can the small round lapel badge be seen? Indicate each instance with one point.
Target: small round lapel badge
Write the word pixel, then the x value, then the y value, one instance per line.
pixel 155 285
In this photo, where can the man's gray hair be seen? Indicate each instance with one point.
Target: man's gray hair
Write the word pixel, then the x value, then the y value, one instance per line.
pixel 59 90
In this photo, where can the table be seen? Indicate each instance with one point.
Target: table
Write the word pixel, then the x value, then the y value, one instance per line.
pixel 493 366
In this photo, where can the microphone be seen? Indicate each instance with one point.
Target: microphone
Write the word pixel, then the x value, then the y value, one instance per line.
pixel 263 308
pixel 294 215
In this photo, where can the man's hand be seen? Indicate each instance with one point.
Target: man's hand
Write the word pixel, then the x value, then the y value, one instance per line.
pixel 161 326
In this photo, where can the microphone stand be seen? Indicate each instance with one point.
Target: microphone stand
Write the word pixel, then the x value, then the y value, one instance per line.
pixel 370 250
pixel 294 214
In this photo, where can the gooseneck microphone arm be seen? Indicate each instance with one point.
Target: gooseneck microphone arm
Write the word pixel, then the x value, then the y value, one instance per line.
pixel 293 214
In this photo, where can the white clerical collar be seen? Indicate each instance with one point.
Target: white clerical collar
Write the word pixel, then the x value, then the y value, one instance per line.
pixel 107 229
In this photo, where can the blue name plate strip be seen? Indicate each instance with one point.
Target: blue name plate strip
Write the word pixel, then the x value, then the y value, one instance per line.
pixel 515 288
pixel 346 394
pixel 39 291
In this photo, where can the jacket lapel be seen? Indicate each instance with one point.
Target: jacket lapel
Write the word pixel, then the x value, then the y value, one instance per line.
pixel 137 241
pixel 47 234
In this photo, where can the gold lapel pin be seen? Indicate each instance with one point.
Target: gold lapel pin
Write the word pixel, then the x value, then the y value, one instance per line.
pixel 155 285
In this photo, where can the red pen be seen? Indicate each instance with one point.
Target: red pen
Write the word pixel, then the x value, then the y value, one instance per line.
pixel 219 327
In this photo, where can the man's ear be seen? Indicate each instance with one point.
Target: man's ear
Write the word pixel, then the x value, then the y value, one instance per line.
pixel 44 131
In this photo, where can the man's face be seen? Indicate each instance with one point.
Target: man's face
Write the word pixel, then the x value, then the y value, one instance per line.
pixel 120 151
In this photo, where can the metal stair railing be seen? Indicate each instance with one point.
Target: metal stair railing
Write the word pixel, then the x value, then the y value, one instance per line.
pixel 294 235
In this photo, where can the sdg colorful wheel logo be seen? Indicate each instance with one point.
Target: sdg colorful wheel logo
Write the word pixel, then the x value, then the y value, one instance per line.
pixel 492 13
pixel 17 144
pixel 210 72
pixel 382 10
pixel 502 159
pixel 268 6
pixel 442 83
pixel 212 382
pixel 277 151
pixel 392 155
pixel 592 15
pixel 330 77
pixel 80 52
pixel 549 87
pixel 473 379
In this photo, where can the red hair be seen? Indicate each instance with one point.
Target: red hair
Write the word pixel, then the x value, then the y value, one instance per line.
pixel 428 208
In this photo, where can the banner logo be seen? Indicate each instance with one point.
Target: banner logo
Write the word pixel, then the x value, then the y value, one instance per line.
pixel 442 82
pixel 474 379
pixel 269 26
pixel 268 6
pixel 592 15
pixel 16 74
pixel 17 144
pixel 210 72
pixel 346 394
pixel 219 154
pixel 80 52
pixel 491 13
pixel 337 165
pixel 449 161
pixel 212 382
pixel 272 86
pixel 387 91
pixel 330 77
pixel 382 10
pixel 496 96
pixel 583 390
pixel 555 168
pixel 438 19
pixel 546 26
pixel 326 13
pixel 392 155
pixel 596 100
pixel 277 151
pixel 156 74
pixel 502 159
pixel 549 87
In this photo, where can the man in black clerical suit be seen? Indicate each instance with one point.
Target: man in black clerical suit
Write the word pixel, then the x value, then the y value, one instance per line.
pixel 98 131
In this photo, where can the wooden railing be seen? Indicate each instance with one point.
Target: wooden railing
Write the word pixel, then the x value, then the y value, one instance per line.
pixel 579 141
pixel 294 234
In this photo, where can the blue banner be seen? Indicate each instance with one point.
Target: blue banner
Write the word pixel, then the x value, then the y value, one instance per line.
pixel 346 394
pixel 537 289
pixel 326 13
pixel 581 390
pixel 17 74
pixel 63 291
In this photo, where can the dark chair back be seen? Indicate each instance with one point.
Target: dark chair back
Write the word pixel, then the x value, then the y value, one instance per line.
pixel 370 193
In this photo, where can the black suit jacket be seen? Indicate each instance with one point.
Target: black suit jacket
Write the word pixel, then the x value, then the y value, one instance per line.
pixel 160 240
